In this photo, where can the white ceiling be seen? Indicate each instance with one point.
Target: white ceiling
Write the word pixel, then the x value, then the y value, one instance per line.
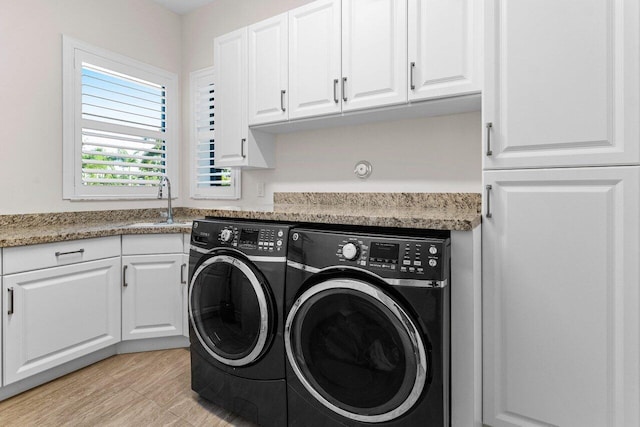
pixel 182 7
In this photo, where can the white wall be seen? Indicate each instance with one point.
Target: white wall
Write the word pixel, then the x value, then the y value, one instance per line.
pixel 31 86
pixel 438 154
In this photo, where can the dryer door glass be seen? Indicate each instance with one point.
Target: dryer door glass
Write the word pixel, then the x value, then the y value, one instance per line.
pixel 230 310
pixel 356 350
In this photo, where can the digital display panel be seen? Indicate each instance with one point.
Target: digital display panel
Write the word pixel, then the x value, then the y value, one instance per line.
pixel 249 236
pixel 387 251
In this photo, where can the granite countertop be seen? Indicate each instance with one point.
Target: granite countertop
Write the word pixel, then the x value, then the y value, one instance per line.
pixel 440 211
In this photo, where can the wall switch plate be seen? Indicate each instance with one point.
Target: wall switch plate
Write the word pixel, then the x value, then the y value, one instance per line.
pixel 260 189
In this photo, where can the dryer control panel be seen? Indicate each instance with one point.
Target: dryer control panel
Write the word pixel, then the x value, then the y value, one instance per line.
pixel 250 238
pixel 419 259
pixel 392 257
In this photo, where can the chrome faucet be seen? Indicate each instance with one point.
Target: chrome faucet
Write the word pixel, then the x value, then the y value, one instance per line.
pixel 164 180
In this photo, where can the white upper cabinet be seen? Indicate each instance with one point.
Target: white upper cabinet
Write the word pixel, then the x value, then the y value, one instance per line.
pixel 374 53
pixel 561 326
pixel 269 70
pixel 230 103
pixel 314 59
pixel 236 145
pixel 562 83
pixel 445 48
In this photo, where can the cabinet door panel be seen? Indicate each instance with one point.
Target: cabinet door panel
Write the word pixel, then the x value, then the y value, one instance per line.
pixel 445 48
pixel 314 59
pixel 269 70
pixel 374 53
pixel 230 52
pixel 152 300
pixel 560 298
pixel 59 314
pixel 562 83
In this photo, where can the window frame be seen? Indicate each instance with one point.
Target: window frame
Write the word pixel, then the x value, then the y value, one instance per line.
pixel 74 52
pixel 232 192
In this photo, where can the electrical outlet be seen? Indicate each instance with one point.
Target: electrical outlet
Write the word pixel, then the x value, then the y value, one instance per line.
pixel 260 189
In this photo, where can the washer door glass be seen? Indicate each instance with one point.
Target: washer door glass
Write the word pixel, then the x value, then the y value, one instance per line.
pixel 230 310
pixel 356 350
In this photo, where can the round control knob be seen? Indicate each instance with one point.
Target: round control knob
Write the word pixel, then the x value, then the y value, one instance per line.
pixel 433 250
pixel 350 251
pixel 433 262
pixel 226 235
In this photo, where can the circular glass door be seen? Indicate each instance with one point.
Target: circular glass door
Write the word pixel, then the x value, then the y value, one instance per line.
pixel 230 310
pixel 356 350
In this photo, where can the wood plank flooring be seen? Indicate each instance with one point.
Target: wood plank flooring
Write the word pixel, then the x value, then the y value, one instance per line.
pixel 137 389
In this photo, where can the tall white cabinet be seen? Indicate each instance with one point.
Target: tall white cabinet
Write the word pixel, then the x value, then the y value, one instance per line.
pixel 562 83
pixel 561 233
pixel 560 297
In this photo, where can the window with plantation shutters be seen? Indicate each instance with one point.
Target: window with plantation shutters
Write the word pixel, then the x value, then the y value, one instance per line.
pixel 208 182
pixel 119 124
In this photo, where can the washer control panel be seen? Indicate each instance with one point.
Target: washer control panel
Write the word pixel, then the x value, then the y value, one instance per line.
pixel 402 258
pixel 251 238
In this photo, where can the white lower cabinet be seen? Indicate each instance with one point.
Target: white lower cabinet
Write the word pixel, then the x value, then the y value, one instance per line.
pixel 153 281
pixel 54 315
pixel 152 296
pixel 561 324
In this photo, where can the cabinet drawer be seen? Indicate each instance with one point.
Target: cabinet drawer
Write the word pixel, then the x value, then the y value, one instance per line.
pixel 152 244
pixel 26 258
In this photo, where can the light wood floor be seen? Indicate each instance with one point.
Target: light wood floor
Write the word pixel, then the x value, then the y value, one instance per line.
pixel 137 389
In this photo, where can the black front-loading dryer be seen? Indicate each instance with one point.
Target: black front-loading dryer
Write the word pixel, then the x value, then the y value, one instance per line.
pixel 236 298
pixel 367 329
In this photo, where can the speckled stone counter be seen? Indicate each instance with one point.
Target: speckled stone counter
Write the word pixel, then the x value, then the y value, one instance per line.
pixel 32 229
pixel 440 211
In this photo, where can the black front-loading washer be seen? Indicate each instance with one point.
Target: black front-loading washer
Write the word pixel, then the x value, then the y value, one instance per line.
pixel 236 298
pixel 367 328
